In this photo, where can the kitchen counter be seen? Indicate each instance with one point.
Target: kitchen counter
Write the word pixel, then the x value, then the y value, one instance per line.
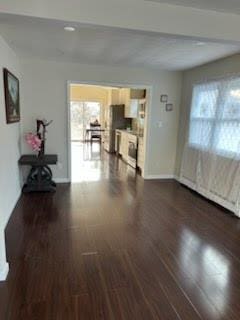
pixel 134 133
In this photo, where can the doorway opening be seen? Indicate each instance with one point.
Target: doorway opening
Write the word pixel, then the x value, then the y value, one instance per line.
pixel 83 113
pixel 107 125
pixel 85 143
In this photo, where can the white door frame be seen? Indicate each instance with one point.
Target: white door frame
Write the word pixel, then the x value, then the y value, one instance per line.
pixel 111 84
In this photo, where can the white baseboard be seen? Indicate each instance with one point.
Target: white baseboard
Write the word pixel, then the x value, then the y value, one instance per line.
pixel 61 180
pixel 147 177
pixel 159 176
pixel 4 272
pixel 177 178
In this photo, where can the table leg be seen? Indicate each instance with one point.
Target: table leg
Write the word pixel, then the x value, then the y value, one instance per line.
pixel 40 180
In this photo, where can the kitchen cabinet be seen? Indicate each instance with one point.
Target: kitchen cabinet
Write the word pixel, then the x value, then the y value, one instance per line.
pixel 140 158
pixel 121 149
pixel 130 98
pixel 124 145
pixel 131 110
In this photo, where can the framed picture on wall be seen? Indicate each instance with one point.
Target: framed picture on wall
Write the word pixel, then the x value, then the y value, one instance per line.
pixel 12 98
pixel 164 98
pixel 169 107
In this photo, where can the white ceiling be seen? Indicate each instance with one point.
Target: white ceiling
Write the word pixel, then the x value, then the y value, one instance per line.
pixel 230 6
pixel 46 39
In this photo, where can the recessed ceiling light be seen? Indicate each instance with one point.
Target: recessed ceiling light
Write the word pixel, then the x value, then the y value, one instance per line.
pixel 69 28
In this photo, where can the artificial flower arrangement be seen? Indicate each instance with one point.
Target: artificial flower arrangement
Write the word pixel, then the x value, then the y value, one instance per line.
pixel 33 141
pixel 37 140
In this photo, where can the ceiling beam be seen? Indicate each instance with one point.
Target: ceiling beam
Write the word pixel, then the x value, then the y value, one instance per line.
pixel 133 14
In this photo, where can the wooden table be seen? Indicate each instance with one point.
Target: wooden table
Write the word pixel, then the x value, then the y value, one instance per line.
pixel 40 176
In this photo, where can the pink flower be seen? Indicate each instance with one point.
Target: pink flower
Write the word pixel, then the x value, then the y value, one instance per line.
pixel 33 141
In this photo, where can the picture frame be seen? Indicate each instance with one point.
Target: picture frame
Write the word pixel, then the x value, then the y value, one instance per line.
pixel 164 98
pixel 169 107
pixel 12 96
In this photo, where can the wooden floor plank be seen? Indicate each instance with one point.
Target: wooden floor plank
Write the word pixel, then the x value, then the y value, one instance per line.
pixel 119 247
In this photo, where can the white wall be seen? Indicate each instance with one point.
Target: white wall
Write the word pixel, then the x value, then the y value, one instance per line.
pixel 91 93
pixel 222 67
pixel 10 150
pixel 44 94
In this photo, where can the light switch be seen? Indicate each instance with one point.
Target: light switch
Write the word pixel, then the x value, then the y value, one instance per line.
pixel 159 124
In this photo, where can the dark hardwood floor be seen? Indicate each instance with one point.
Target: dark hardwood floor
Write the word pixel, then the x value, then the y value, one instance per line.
pixel 117 247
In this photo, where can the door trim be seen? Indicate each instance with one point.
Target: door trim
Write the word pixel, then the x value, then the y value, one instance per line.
pixel 111 84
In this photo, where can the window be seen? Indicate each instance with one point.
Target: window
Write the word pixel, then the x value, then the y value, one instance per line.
pixel 215 117
pixel 82 114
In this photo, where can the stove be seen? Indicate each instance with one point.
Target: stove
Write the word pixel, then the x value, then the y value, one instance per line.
pixel 132 150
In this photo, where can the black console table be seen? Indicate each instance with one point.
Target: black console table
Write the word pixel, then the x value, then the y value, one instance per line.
pixel 40 176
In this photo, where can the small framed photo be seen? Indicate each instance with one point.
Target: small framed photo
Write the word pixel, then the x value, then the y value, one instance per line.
pixel 169 107
pixel 164 98
pixel 11 88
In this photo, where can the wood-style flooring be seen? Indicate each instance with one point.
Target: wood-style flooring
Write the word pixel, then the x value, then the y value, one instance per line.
pixel 117 247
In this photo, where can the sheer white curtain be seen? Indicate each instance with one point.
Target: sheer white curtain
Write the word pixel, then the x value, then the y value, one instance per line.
pixel 211 157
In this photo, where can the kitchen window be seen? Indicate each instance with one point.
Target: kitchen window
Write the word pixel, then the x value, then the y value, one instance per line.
pixel 215 117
